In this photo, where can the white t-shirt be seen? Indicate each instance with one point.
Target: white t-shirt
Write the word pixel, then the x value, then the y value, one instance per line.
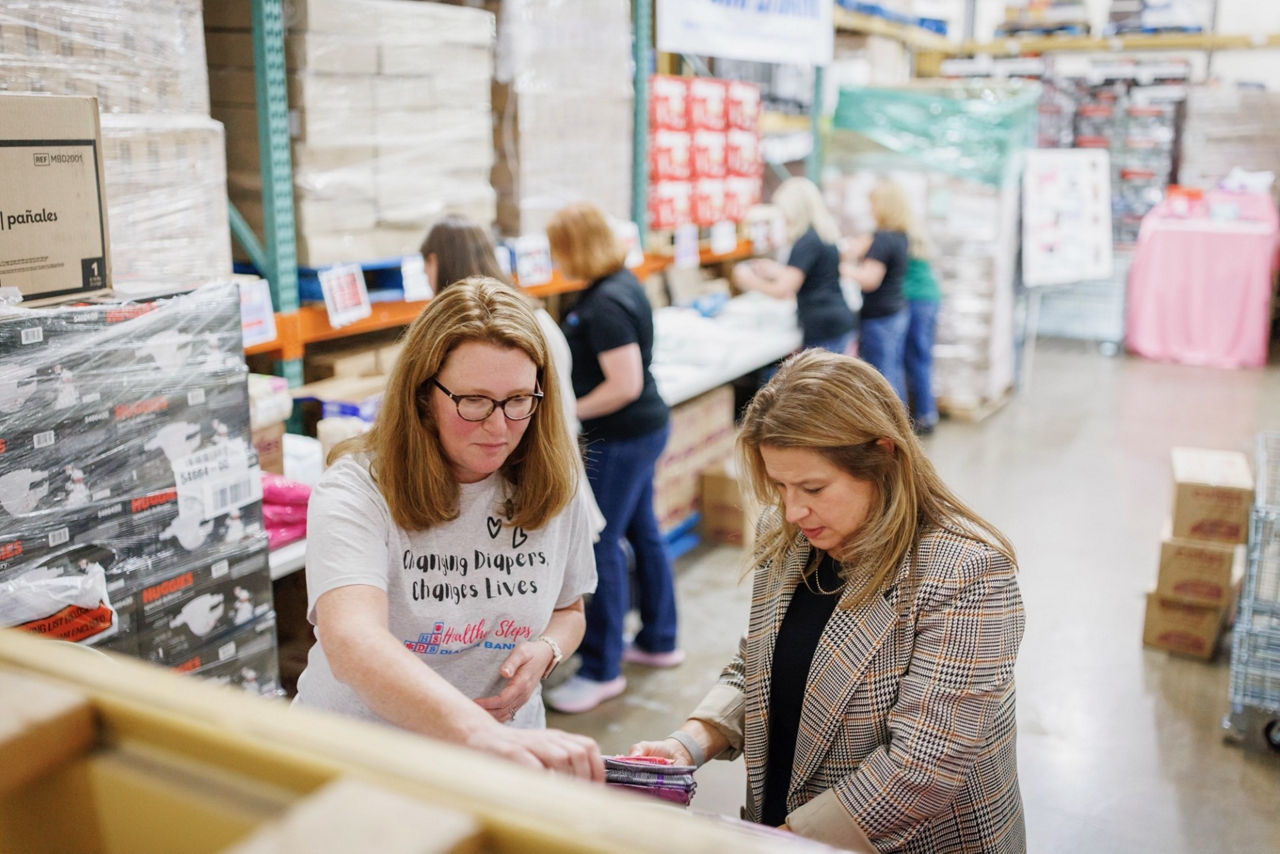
pixel 460 595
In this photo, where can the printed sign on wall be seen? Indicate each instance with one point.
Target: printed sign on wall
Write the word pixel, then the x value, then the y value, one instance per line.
pixel 791 32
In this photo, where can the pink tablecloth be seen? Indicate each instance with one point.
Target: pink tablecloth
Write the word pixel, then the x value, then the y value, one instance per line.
pixel 1200 290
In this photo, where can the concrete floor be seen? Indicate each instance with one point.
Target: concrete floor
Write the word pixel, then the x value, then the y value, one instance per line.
pixel 1120 747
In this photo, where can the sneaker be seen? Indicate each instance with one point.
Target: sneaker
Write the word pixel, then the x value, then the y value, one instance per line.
pixel 579 694
pixel 635 655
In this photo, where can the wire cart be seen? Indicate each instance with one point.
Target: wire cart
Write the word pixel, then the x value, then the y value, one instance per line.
pixel 1254 719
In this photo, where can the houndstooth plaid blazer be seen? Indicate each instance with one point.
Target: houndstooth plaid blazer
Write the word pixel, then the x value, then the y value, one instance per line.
pixel 907 734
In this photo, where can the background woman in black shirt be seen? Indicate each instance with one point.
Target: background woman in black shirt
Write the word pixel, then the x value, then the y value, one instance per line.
pixel 812 271
pixel 625 425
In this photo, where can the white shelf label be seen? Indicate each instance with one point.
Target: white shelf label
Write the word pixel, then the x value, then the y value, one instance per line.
pixel 345 296
pixel 257 316
pixel 533 260
pixel 413 273
pixel 724 237
pixel 686 245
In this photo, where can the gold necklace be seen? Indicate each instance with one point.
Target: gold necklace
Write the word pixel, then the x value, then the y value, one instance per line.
pixel 812 572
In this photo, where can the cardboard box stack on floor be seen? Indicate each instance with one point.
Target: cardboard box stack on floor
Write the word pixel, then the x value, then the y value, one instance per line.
pixel 562 110
pixel 130 495
pixel 1227 128
pixel 729 512
pixel 163 156
pixel 701 439
pixel 389 114
pixel 1201 555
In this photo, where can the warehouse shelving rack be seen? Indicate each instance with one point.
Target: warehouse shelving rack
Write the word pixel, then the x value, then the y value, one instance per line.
pixel 1254 718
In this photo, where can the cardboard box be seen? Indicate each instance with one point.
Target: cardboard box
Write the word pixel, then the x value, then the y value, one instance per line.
pixel 708 109
pixel 269 443
pixel 668 103
pixel 1212 495
pixel 1198 572
pixel 53 214
pixel 1181 628
pixel 728 513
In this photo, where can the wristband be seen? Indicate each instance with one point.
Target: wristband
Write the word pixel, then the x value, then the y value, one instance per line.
pixel 556 654
pixel 689 743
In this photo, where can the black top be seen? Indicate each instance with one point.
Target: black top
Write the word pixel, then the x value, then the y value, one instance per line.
pixel 612 313
pixel 820 305
pixel 798 636
pixel 890 249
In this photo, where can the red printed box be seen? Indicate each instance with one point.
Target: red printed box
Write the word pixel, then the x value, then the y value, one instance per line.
pixel 742 153
pixel 743 105
pixel 670 157
pixel 670 204
pixel 708 201
pixel 668 103
pixel 740 193
pixel 709 154
pixel 707 104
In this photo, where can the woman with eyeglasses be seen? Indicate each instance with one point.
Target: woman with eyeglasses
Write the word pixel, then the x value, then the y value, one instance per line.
pixel 448 548
pixel 625 423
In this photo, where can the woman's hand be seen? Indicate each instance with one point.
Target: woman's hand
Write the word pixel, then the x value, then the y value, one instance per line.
pixel 667 748
pixel 552 749
pixel 523 671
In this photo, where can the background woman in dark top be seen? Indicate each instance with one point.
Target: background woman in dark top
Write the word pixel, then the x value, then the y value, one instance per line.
pixel 883 263
pixel 625 424
pixel 812 271
pixel 873 693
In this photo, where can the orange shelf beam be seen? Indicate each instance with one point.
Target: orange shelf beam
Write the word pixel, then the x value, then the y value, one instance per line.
pixel 310 323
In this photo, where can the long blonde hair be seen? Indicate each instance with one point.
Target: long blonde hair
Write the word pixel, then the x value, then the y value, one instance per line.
pixel 801 203
pixel 892 212
pixel 408 461
pixel 840 407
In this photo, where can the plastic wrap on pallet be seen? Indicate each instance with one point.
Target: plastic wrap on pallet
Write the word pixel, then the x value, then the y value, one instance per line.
pixel 389 119
pixel 562 135
pixel 967 203
pixel 135 56
pixel 166 200
pixel 124 431
pixel 972 130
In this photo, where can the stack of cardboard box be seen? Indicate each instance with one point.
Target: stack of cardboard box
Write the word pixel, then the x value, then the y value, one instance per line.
pixel 389 116
pixel 562 110
pixel 164 164
pixel 1201 557
pixel 701 439
pixel 1227 128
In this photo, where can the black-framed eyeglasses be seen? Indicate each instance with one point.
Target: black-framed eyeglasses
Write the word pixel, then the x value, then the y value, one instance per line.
pixel 478 407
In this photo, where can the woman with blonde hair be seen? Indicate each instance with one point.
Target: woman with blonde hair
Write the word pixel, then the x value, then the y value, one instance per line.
pixel 625 423
pixel 449 548
pixel 812 272
pixel 878 265
pixel 873 693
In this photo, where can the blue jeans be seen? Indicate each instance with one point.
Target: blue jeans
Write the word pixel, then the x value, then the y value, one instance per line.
pixel 883 344
pixel 919 360
pixel 621 475
pixel 835 345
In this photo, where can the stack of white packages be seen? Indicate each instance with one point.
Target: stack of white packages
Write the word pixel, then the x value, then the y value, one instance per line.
pixel 563 109
pixel 165 168
pixel 389 115
pixel 1226 128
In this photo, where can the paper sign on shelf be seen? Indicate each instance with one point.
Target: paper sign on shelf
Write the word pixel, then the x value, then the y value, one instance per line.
pixel 413 273
pixel 533 259
pixel 686 245
pixel 345 296
pixel 724 237
pixel 257 316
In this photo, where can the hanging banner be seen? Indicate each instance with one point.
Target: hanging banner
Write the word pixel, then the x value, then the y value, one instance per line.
pixel 790 32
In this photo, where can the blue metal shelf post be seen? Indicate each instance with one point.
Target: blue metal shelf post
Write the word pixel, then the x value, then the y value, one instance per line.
pixel 280 255
pixel 642 38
